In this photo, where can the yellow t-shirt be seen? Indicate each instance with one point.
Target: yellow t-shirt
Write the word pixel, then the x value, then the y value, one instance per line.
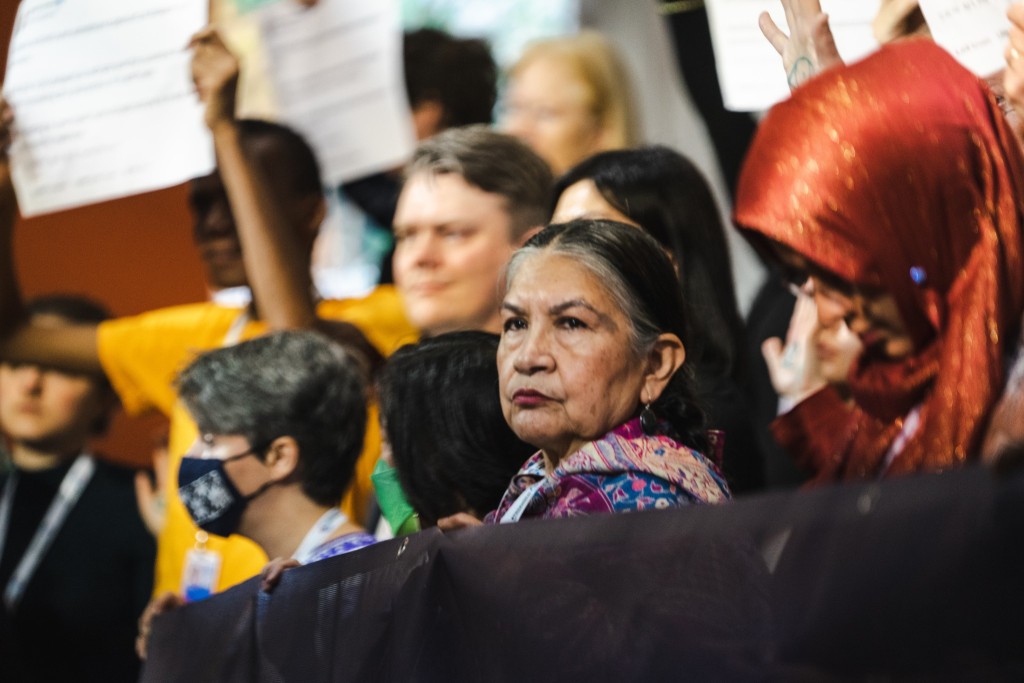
pixel 142 356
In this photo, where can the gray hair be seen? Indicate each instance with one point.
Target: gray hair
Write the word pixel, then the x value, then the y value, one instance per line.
pixel 496 163
pixel 295 383
pixel 638 275
pixel 643 331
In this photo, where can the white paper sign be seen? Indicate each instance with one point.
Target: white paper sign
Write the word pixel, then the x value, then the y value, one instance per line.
pixel 337 76
pixel 973 31
pixel 750 70
pixel 103 100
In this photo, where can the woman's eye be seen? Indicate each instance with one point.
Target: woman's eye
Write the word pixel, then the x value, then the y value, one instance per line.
pixel 572 323
pixel 514 324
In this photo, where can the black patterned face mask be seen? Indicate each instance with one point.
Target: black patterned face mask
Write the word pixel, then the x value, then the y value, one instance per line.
pixel 209 495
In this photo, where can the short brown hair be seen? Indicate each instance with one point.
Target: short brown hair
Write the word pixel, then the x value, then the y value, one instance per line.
pixel 496 163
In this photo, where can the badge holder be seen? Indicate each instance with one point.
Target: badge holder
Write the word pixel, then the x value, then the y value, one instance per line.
pixel 202 570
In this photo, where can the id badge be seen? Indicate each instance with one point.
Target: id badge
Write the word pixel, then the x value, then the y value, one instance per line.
pixel 202 570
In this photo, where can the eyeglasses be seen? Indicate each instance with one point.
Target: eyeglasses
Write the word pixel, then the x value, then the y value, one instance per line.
pixel 206 448
pixel 809 280
pixel 796 280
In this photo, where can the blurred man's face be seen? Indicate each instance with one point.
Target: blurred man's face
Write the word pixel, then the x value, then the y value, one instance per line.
pixel 215 234
pixel 214 230
pixel 452 241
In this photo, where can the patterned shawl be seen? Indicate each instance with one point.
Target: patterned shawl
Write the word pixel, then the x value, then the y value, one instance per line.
pixel 622 471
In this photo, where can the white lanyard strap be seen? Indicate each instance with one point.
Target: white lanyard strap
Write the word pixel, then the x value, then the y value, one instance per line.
pixel 71 488
pixel 328 523
pixel 234 333
pixel 516 510
pixel 5 507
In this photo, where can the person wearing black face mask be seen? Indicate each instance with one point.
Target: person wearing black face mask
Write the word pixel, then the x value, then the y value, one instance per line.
pixel 282 419
pixel 213 501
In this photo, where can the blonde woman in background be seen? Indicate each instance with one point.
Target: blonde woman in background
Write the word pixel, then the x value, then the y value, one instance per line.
pixel 569 98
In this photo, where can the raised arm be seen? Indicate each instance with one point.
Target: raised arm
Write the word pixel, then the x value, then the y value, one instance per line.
pixel 809 48
pixel 70 348
pixel 276 268
pixel 795 368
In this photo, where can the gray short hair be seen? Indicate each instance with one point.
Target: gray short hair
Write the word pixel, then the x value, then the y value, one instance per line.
pixel 496 163
pixel 295 383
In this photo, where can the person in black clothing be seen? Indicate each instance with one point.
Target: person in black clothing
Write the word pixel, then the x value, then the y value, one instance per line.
pixel 76 568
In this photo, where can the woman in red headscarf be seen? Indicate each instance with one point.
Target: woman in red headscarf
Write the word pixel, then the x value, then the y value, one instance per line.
pixel 892 189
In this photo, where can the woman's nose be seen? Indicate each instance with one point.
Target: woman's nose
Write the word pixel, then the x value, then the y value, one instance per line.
pixel 534 354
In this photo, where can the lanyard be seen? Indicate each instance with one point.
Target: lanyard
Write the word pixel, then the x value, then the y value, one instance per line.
pixel 71 488
pixel 234 333
pixel 516 510
pixel 328 523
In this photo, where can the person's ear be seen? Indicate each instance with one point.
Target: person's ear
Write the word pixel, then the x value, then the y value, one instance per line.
pixel 282 457
pixel 663 360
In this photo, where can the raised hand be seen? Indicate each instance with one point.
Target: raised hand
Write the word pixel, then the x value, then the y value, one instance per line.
pixel 215 74
pixel 809 48
pixel 794 368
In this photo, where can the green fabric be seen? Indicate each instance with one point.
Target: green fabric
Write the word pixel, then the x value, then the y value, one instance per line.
pixel 391 499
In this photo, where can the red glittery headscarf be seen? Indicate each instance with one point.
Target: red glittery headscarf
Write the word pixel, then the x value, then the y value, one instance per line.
pixel 900 173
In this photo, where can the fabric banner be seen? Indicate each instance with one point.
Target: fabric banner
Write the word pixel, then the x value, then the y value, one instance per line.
pixel 917 578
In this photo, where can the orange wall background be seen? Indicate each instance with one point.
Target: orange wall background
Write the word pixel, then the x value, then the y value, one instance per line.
pixel 133 255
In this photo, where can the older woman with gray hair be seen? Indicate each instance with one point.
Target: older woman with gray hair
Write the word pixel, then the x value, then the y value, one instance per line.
pixel 591 373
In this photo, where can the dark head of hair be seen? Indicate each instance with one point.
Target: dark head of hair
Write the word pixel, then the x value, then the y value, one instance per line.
pixel 640 278
pixel 458 73
pixel 295 383
pixel 496 163
pixel 283 153
pixel 440 408
pixel 667 196
pixel 78 310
